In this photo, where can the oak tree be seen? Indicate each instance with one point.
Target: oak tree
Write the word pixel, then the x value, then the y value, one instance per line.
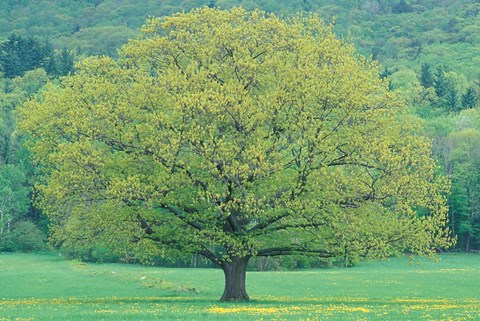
pixel 234 134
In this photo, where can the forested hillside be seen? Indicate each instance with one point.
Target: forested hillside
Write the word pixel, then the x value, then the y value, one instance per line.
pixel 400 34
pixel 429 49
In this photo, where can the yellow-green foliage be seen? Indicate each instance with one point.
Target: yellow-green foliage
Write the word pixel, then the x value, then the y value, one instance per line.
pixel 235 133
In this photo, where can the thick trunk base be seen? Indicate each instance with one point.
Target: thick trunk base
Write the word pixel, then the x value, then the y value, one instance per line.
pixel 235 273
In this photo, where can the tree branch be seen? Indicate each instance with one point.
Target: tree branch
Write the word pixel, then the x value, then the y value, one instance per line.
pixel 178 213
pixel 278 251
pixel 211 256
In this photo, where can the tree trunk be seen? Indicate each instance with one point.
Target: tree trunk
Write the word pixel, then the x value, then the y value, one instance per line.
pixel 235 272
pixel 467 243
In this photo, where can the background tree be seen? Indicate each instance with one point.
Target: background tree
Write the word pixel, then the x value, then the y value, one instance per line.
pixel 426 76
pixel 402 7
pixel 14 203
pixel 464 158
pixel 440 82
pixel 19 55
pixel 232 134
pixel 451 96
pixel 469 98
pixel 15 170
pixel 457 146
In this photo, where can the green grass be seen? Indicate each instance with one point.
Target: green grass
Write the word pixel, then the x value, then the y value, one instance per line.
pixel 45 287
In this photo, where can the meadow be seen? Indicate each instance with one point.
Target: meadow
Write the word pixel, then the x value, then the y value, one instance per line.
pixel 47 287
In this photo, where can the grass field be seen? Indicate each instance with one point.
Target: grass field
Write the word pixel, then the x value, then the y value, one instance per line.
pixel 45 287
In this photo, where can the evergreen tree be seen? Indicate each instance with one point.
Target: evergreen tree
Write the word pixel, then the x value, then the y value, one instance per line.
pixel 9 61
pixel 65 63
pixel 18 55
pixel 469 98
pixel 49 61
pixel 426 76
pixel 402 7
pixel 440 82
pixel 451 96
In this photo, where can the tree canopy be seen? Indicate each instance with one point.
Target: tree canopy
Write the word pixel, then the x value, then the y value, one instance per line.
pixel 234 134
